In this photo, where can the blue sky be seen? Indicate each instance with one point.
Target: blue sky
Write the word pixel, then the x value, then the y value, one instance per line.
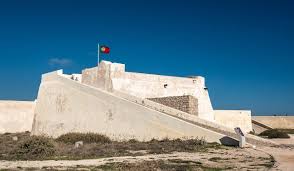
pixel 244 49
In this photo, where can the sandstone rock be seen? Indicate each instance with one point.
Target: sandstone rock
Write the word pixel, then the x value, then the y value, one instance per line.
pixel 15 138
pixel 79 144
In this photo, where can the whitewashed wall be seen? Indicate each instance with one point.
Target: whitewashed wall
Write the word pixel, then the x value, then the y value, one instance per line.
pixel 16 116
pixel 112 76
pixel 234 118
pixel 66 106
pixel 285 122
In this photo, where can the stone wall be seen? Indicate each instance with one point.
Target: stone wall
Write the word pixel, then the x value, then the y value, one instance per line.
pixel 284 122
pixel 186 104
pixel 16 116
pixel 234 118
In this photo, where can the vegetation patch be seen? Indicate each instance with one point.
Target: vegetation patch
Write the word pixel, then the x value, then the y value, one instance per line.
pixel 162 165
pixel 274 133
pixel 71 138
pixel 132 148
pixel 34 148
pixel 95 146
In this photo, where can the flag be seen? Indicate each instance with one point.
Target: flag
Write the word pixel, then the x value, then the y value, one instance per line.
pixel 104 49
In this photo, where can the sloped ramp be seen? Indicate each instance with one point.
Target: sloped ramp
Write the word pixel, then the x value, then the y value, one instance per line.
pixel 259 127
pixel 215 127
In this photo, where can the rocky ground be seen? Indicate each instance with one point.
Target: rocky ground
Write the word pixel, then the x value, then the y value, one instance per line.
pixel 153 156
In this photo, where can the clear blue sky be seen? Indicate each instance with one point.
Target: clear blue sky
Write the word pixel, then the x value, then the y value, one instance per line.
pixel 244 49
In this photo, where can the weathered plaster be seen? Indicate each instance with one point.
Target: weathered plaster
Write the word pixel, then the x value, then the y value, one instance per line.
pixel 112 76
pixel 89 109
pixel 16 116
pixel 234 118
pixel 285 122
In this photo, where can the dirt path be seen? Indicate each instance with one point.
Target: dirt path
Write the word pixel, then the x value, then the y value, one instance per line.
pixel 283 154
pixel 232 158
pixel 284 157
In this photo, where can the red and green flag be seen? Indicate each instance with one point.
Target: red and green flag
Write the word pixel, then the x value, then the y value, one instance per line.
pixel 104 49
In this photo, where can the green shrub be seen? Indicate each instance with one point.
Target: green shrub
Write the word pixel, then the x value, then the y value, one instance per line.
pixel 86 138
pixel 274 133
pixel 35 148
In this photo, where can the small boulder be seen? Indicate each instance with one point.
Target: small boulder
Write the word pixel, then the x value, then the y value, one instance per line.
pixel 79 144
pixel 15 138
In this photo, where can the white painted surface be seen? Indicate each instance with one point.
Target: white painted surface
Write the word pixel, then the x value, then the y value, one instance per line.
pixel 16 116
pixel 112 76
pixel 67 106
pixel 234 118
pixel 185 116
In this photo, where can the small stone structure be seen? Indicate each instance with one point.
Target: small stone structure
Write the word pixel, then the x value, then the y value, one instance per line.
pixel 186 103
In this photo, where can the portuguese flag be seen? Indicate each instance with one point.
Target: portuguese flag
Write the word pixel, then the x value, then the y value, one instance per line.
pixel 104 49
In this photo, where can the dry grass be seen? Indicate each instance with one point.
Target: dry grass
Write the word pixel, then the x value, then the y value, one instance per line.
pixel 132 148
pixel 162 165
pixel 34 148
pixel 95 146
pixel 71 138
pixel 8 146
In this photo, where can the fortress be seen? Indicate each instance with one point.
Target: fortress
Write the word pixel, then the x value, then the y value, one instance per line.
pixel 124 105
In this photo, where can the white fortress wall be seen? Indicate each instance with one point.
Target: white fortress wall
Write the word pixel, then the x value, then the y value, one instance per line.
pixel 65 105
pixel 218 127
pixel 284 122
pixel 16 116
pixel 112 76
pixel 234 118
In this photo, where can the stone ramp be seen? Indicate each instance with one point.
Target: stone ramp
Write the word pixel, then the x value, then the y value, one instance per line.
pixel 259 127
pixel 193 119
pixel 65 105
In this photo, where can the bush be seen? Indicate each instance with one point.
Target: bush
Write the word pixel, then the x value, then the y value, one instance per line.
pixel 35 148
pixel 274 133
pixel 86 138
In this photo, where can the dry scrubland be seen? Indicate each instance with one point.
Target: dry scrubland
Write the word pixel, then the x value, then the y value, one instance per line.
pixel 100 153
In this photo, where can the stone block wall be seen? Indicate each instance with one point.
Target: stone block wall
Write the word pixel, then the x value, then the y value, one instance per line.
pixel 188 104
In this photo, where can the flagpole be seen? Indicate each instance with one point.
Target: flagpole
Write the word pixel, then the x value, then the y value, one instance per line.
pixel 98 54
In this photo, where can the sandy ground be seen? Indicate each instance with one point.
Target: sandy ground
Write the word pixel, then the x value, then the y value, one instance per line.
pixel 284 154
pixel 285 141
pixel 231 158
pixel 284 157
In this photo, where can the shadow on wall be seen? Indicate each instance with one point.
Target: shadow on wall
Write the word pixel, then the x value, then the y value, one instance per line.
pixel 229 141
